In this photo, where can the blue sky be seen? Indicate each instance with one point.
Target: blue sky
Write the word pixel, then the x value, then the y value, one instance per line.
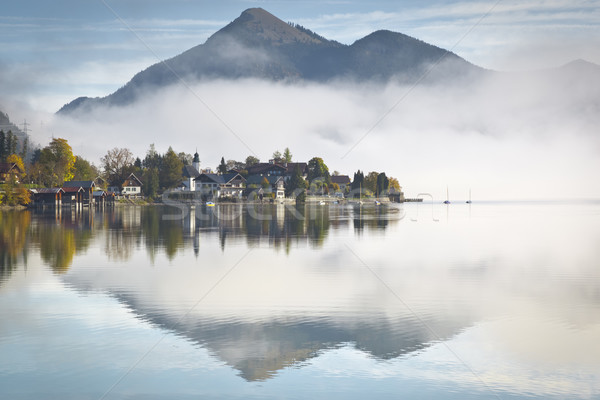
pixel 54 51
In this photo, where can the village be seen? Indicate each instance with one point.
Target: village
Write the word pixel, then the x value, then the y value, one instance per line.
pixel 124 179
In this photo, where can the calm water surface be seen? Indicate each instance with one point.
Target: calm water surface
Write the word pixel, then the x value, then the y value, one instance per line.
pixel 492 300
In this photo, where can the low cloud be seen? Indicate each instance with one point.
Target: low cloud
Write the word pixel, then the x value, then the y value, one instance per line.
pixel 509 136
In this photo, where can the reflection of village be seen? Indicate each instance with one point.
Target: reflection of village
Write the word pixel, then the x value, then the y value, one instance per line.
pixel 60 233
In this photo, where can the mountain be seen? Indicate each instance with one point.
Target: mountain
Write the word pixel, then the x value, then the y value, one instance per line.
pixel 259 45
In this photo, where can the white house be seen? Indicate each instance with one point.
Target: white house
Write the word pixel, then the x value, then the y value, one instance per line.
pixel 132 186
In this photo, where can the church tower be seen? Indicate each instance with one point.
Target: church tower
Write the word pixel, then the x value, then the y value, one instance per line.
pixel 196 161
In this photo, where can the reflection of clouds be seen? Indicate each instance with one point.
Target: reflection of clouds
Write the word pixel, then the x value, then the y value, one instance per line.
pixel 506 368
pixel 511 289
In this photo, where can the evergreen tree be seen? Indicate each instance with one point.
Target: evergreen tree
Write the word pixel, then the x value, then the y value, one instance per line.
pixel 2 146
pixel 287 155
pixel 358 183
pixel 25 149
pixel 152 159
pixel 277 159
pixel 222 168
pixel 382 183
pixel 296 182
pixel 12 142
pixel 151 182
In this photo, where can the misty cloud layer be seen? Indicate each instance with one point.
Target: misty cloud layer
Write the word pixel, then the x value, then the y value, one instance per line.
pixel 509 136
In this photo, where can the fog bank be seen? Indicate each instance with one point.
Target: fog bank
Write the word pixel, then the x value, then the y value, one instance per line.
pixel 508 136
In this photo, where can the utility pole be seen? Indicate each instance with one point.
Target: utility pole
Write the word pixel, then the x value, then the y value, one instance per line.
pixel 25 125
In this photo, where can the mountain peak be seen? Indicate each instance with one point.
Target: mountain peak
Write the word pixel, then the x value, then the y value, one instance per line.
pixel 258 13
pixel 260 24
pixel 259 45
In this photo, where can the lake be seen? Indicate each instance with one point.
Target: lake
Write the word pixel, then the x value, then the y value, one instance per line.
pixel 481 301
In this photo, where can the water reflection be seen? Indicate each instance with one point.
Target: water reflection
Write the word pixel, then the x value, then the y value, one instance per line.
pixel 14 228
pixel 508 290
pixel 61 234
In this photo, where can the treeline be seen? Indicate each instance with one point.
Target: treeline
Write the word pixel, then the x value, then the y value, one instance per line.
pixel 12 192
pixel 375 183
pixel 56 163
pixel 9 144
pixel 158 172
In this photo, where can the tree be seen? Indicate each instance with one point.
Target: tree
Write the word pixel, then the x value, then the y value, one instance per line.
pixel 25 149
pixel 15 159
pixel 152 159
pixel 64 157
pixel 23 195
pixel 318 170
pixel 170 172
pixel 8 144
pixel 296 182
pixel 277 158
pixel 222 168
pixel 382 184
pixel 265 183
pixel 83 170
pixel 117 164
pixel 251 160
pixel 394 184
pixel 370 182
pixel 287 155
pixel 2 145
pixel 151 182
pixel 185 158
pixel 237 165
pixel 15 193
pixel 54 164
pixel 358 183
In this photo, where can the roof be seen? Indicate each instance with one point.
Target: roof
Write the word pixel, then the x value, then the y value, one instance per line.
pixel 47 190
pixel 220 179
pixel 291 167
pixel 189 171
pixel 340 179
pixel 83 184
pixel 258 179
pixel 133 177
pixel 99 193
pixel 72 189
pixel 7 167
pixel 264 168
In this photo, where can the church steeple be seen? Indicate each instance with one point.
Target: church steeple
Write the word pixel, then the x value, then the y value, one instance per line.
pixel 196 161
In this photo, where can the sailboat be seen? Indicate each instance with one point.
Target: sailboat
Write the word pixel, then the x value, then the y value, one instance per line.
pixel 469 201
pixel 447 201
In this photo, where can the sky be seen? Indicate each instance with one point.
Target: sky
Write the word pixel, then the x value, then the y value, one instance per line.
pixel 54 52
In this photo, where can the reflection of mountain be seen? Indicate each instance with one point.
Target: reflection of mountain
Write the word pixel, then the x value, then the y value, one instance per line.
pixel 260 348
